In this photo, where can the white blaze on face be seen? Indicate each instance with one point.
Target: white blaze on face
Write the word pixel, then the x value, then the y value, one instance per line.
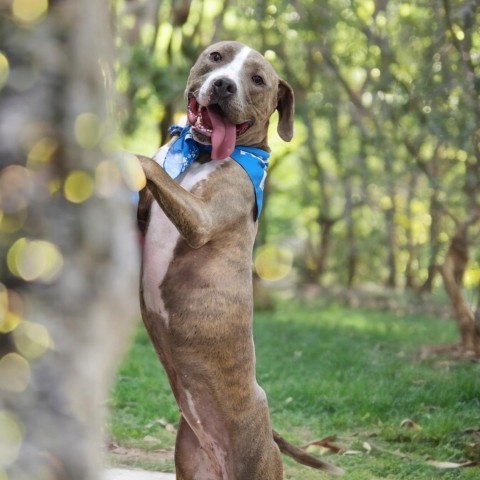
pixel 232 70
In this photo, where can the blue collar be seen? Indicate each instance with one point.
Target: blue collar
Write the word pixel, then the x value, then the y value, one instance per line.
pixel 185 150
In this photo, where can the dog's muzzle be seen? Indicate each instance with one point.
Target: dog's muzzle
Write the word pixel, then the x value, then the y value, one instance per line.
pixel 211 124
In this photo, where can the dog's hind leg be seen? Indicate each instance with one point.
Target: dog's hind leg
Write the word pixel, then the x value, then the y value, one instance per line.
pixel 191 461
pixel 188 454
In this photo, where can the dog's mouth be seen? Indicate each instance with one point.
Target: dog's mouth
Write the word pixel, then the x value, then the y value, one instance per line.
pixel 215 127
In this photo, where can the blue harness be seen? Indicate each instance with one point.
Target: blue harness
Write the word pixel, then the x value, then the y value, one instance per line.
pixel 185 150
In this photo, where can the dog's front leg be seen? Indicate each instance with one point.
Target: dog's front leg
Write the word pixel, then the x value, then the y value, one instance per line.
pixel 189 213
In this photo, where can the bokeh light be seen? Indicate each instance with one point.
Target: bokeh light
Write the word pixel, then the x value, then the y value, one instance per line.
pixel 11 309
pixel 14 373
pixel 107 178
pixel 54 185
pixel 35 260
pixel 41 152
pixel 29 11
pixel 31 339
pixel 11 436
pixel 4 70
pixel 3 300
pixel 9 320
pixel 88 130
pixel 15 188
pixel 12 223
pixel 472 276
pixel 132 172
pixel 273 263
pixel 79 186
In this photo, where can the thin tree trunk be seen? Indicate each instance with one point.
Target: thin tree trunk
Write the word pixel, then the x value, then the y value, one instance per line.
pixel 390 225
pixel 391 281
pixel 435 216
pixel 409 273
pixel 320 249
pixel 166 121
pixel 352 249
pixel 452 271
pixel 69 283
pixel 323 252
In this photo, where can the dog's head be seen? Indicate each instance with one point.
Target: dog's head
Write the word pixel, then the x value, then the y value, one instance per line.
pixel 231 93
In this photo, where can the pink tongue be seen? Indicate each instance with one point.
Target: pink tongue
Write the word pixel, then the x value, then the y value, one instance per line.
pixel 223 136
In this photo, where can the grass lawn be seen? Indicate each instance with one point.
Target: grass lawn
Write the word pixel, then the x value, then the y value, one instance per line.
pixel 329 370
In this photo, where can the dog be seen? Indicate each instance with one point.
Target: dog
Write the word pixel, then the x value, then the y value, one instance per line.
pixel 196 279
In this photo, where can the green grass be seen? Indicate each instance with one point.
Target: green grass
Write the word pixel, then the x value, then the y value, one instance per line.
pixel 329 370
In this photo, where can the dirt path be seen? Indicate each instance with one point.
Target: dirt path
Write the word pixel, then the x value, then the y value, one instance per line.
pixel 131 474
pixel 130 456
pixel 124 455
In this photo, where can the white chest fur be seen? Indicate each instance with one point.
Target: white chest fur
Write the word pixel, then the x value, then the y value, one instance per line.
pixel 162 237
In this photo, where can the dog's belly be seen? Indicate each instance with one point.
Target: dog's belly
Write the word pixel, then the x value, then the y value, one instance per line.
pixel 160 241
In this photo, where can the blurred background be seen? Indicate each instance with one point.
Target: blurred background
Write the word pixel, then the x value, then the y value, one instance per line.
pixel 375 203
pixel 380 189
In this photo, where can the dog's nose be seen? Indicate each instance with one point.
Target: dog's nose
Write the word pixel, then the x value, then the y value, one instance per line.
pixel 224 86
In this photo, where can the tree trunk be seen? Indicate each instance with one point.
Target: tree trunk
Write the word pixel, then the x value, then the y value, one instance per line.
pixel 324 220
pixel 391 281
pixel 452 272
pixel 352 249
pixel 326 225
pixel 68 252
pixel 435 216
pixel 409 273
pixel 390 225
pixel 165 122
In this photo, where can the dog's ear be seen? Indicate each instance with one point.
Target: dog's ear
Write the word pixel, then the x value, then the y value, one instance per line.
pixel 286 110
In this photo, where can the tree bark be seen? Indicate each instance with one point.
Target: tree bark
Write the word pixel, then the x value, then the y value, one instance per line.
pixel 391 281
pixel 435 216
pixel 352 248
pixel 326 224
pixel 69 266
pixel 409 270
pixel 321 249
pixel 390 225
pixel 452 271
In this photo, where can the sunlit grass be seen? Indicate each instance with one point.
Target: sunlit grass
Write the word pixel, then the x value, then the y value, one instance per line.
pixel 328 370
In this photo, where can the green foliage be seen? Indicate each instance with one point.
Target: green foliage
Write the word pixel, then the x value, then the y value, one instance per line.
pixel 328 370
pixel 387 99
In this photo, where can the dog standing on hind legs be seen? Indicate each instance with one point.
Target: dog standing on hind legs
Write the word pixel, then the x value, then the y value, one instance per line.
pixel 199 215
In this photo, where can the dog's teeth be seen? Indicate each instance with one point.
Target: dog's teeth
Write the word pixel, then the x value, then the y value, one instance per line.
pixel 199 124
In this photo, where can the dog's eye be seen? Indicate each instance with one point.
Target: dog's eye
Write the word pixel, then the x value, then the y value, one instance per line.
pixel 258 80
pixel 215 56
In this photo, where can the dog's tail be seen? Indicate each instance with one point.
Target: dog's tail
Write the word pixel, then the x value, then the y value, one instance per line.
pixel 301 456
